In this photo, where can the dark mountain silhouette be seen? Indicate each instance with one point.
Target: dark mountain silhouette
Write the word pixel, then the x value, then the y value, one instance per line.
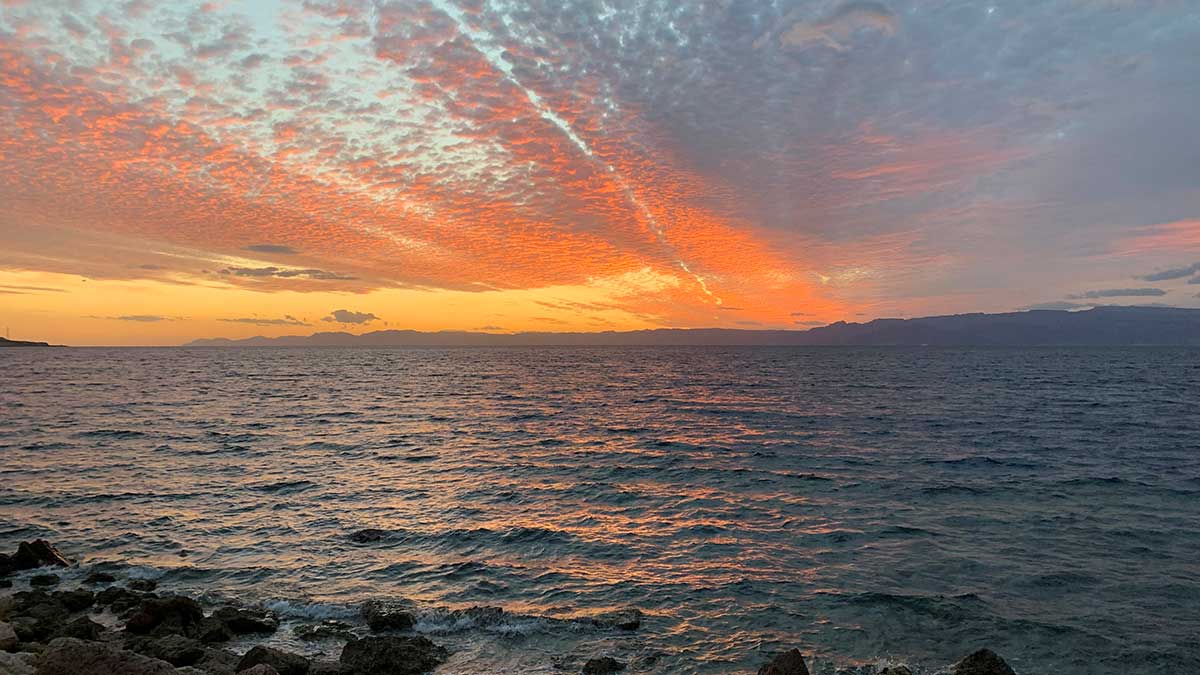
pixel 1098 326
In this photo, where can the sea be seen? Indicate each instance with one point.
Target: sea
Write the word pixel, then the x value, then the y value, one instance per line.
pixel 865 505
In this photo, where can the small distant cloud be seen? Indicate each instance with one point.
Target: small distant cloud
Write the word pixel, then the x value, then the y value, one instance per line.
pixel 287 320
pixel 489 328
pixel 1174 273
pixel 272 248
pixel 748 323
pixel 730 309
pixel 284 273
pixel 800 314
pixel 1120 293
pixel 25 290
pixel 137 318
pixel 1194 280
pixel 346 316
pixel 810 323
pixel 1060 305
pixel 151 268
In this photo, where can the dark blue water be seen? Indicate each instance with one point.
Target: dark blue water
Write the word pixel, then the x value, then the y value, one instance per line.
pixel 863 504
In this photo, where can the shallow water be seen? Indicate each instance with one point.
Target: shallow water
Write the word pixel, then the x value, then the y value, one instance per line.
pixel 862 504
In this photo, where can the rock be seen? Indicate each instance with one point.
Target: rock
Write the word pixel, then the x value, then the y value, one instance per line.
pixel 327 630
pixel 260 669
pixel 382 616
pixel 602 666
pixel 6 565
pixel 44 580
pixel 76 600
pixel 37 553
pixel 174 649
pixel 325 668
pixel 5 583
pixel 8 637
pixel 391 655
pixel 17 664
pixel 36 616
pixel 69 656
pixel 119 599
pixel 284 662
pixel 97 577
pixel 82 628
pixel 212 629
pixel 244 621
pixel 159 616
pixel 788 663
pixel 217 662
pixel 626 619
pixel 370 534
pixel 982 662
pixel 480 615
pixel 143 585
pixel 896 670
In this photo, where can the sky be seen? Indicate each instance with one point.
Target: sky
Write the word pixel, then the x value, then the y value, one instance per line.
pixel 174 170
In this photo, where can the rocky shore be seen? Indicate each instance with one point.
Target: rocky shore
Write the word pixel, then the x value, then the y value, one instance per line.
pixel 113 626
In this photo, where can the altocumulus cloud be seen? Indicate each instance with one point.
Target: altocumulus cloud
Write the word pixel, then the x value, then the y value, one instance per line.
pixel 287 320
pixel 346 316
pixel 284 273
pixel 1120 293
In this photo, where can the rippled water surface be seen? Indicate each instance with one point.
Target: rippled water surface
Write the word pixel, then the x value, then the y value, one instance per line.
pixel 859 503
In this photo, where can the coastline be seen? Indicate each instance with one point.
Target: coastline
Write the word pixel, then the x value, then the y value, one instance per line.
pixel 108 623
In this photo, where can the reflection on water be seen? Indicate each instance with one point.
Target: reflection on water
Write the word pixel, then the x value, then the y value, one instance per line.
pixel 859 503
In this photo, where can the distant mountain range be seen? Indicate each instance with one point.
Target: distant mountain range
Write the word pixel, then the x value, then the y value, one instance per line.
pixel 5 342
pixel 1097 327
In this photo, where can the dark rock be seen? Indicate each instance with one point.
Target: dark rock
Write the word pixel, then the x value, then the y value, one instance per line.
pixel 160 616
pixel 260 669
pixel 97 577
pixel 68 656
pixel 8 637
pixel 5 583
pixel 76 600
pixel 284 662
pixel 390 655
pixel 7 566
pixel 325 668
pixel 217 662
pixel 626 619
pixel 17 664
pixel 36 616
pixel 602 666
pixel 982 662
pixel 37 553
pixel 82 628
pixel 174 649
pixel 788 663
pixel 143 585
pixel 244 621
pixel 327 630
pixel 212 629
pixel 44 580
pixel 481 615
pixel 896 670
pixel 371 534
pixel 382 616
pixel 121 600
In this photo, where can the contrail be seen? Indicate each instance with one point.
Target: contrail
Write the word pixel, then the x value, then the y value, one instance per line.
pixel 485 44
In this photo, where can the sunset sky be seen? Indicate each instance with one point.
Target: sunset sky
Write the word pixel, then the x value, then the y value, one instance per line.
pixel 173 170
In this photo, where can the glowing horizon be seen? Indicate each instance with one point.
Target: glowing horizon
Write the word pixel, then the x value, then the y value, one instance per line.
pixel 170 171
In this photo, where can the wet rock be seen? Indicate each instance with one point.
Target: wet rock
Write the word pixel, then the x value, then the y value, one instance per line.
pixel 626 619
pixel 76 600
pixel 368 535
pixel 246 621
pixel 8 637
pixel 82 628
pixel 788 663
pixel 260 669
pixel 174 649
pixel 143 585
pixel 982 662
pixel 391 655
pixel 325 668
pixel 43 580
pixel 17 664
pixel 284 662
pixel 480 615
pixel 36 616
pixel 69 656
pixel 602 666
pixel 326 630
pixel 212 629
pixel 6 565
pixel 382 616
pixel 217 662
pixel 160 616
pixel 896 670
pixel 37 553
pixel 97 577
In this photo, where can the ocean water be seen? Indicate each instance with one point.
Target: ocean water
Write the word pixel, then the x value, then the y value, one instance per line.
pixel 865 505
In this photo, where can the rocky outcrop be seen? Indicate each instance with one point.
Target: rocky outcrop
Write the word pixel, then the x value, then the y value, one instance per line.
pixel 368 535
pixel 788 663
pixel 174 649
pixel 161 616
pixel 386 616
pixel 285 663
pixel 260 669
pixel 604 665
pixel 37 553
pixel 246 621
pixel 8 637
pixel 982 662
pixel 895 670
pixel 69 656
pixel 21 663
pixel 388 655
pixel 142 585
pixel 625 619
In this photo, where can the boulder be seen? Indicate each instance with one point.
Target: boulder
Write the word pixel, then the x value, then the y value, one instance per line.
pixel 160 616
pixel 391 655
pixel 176 650
pixel 120 600
pixel 8 637
pixel 36 616
pixel 284 662
pixel 69 656
pixel 142 585
pixel 42 580
pixel 788 663
pixel 383 616
pixel 6 565
pixel 895 670
pixel 217 662
pixel 76 600
pixel 982 662
pixel 625 619
pixel 82 628
pixel 212 629
pixel 325 668
pixel 260 669
pixel 17 664
pixel 370 534
pixel 602 666
pixel 98 577
pixel 37 553
pixel 245 621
